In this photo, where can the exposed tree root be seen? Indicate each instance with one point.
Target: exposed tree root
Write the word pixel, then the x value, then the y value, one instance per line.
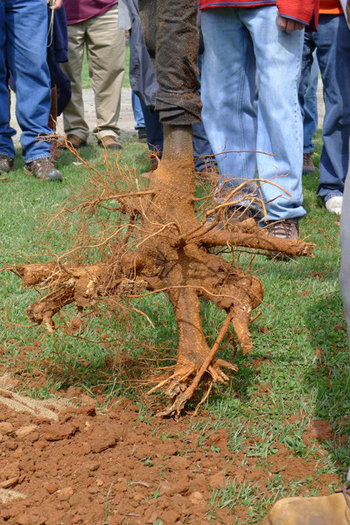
pixel 168 250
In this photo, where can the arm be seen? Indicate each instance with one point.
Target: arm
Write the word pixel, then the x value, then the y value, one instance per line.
pixel 296 14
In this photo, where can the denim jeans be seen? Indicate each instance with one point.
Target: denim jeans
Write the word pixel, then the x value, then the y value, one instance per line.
pixel 308 101
pixel 137 111
pixel 23 44
pixel 332 44
pixel 245 51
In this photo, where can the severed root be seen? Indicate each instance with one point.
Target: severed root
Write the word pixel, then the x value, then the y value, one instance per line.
pixel 183 393
pixel 177 380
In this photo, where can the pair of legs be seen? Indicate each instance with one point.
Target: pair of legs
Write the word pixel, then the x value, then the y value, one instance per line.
pixel 105 47
pixel 332 44
pixel 23 44
pixel 250 77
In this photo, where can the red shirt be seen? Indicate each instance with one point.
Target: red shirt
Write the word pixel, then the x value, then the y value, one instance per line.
pixel 301 10
pixel 80 10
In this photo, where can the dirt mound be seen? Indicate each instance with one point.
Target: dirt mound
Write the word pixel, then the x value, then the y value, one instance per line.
pixel 73 465
pixel 85 467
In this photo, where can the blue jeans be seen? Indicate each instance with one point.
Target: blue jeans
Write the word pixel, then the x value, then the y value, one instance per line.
pixel 137 111
pixel 23 43
pixel 308 99
pixel 245 51
pixel 332 44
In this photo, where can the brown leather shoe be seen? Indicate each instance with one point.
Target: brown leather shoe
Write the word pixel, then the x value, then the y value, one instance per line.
pixel 231 216
pixel 6 163
pixel 109 142
pixel 43 169
pixel 308 165
pixel 75 141
pixel 284 229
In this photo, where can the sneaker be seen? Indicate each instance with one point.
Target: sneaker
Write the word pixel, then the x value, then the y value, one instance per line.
pixel 43 169
pixel 334 204
pixel 308 165
pixel 6 163
pixel 109 142
pixel 284 229
pixel 74 141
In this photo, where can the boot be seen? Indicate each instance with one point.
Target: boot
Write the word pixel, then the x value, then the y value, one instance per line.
pixel 323 510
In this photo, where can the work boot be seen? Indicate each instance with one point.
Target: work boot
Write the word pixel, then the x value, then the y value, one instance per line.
pixel 308 165
pixel 232 215
pixel 323 510
pixel 142 134
pixel 6 163
pixel 74 141
pixel 43 169
pixel 109 142
pixel 284 229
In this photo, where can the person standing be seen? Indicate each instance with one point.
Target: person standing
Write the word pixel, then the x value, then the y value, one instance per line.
pixel 93 25
pixel 332 44
pixel 250 77
pixel 21 24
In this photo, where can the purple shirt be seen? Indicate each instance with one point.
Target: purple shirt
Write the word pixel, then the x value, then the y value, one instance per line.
pixel 80 10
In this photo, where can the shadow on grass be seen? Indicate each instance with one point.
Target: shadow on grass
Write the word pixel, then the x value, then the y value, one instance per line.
pixel 330 376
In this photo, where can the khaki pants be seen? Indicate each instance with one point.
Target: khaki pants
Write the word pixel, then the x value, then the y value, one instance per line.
pixel 105 47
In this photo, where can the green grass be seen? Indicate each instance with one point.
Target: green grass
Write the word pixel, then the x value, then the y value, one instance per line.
pixel 86 82
pixel 299 365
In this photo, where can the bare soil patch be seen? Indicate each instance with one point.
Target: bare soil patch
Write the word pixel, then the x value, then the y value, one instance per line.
pixel 72 465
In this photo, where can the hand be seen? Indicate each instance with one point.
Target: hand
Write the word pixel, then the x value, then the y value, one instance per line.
pixel 57 4
pixel 348 9
pixel 288 25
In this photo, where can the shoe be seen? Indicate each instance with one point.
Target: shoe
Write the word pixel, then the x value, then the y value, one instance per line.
pixel 334 204
pixel 74 141
pixel 233 215
pixel 308 165
pixel 284 229
pixel 109 142
pixel 6 163
pixel 142 134
pixel 43 169
pixel 323 510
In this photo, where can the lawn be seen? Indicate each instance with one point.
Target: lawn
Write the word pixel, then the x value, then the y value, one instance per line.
pixel 286 410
